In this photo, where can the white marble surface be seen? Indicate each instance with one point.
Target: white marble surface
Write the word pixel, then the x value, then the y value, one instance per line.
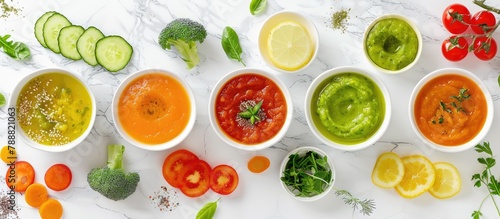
pixel 258 195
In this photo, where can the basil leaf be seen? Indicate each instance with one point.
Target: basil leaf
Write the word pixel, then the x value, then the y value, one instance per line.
pixel 2 100
pixel 257 6
pixel 207 211
pixel 231 44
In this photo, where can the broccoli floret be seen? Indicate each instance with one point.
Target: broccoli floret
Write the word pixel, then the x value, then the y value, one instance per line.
pixel 183 33
pixel 111 180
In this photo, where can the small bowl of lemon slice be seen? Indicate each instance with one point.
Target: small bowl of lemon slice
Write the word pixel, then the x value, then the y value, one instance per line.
pixel 288 41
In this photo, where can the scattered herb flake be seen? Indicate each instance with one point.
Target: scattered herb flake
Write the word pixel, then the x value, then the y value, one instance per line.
pixel 339 19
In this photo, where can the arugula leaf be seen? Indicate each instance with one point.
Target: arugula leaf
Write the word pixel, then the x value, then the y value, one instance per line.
pixel 15 50
pixel 2 100
pixel 208 210
pixel 231 44
pixel 257 6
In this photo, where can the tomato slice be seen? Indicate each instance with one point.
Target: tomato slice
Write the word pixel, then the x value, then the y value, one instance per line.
pixel 174 163
pixel 58 177
pixel 194 178
pixel 224 179
pixel 19 176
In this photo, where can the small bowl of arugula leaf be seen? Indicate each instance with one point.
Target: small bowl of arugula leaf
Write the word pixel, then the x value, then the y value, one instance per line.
pixel 307 173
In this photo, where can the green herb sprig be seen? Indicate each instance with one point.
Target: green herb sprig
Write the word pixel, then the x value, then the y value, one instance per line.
pixel 252 113
pixel 486 178
pixel 257 6
pixel 208 210
pixel 16 50
pixel 365 206
pixel 231 44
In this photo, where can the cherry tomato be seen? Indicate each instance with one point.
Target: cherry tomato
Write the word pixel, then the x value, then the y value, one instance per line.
pixel 485 48
pixel 481 21
pixel 58 177
pixel 194 178
pixel 456 18
pixel 19 176
pixel 174 163
pixel 224 179
pixel 455 48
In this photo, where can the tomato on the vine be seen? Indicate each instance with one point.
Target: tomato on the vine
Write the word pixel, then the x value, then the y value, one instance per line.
pixel 485 48
pixel 194 178
pixel 224 179
pixel 456 18
pixel 174 163
pixel 482 22
pixel 455 48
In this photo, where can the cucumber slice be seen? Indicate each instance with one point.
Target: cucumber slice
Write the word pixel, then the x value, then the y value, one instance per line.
pixel 51 29
pixel 86 45
pixel 39 27
pixel 113 53
pixel 68 36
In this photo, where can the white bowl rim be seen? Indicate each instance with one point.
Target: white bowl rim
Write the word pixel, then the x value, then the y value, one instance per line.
pixel 308 24
pixel 304 149
pixel 262 145
pixel 346 69
pixel 414 27
pixel 154 147
pixel 489 118
pixel 22 134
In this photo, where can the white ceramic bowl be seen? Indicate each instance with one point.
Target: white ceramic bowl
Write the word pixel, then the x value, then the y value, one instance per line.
pixel 166 144
pixel 489 108
pixel 302 151
pixel 414 27
pixel 313 120
pixel 276 19
pixel 214 121
pixel 59 148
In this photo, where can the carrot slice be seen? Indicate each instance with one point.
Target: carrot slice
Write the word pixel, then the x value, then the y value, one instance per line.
pixel 36 194
pixel 8 154
pixel 19 176
pixel 51 209
pixel 258 164
pixel 58 177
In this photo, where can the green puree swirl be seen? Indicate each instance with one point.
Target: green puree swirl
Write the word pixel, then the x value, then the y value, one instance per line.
pixel 350 108
pixel 392 44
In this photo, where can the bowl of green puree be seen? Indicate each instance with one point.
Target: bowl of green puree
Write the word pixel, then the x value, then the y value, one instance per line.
pixel 348 108
pixel 392 43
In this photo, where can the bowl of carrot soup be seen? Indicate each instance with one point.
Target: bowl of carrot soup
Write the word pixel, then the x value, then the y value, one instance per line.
pixel 250 109
pixel 154 109
pixel 451 110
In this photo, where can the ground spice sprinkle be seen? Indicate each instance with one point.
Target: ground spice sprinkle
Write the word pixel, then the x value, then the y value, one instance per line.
pixel 339 19
pixel 165 199
pixel 8 9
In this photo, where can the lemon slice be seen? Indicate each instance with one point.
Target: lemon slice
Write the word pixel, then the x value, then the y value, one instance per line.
pixel 419 176
pixel 289 45
pixel 388 170
pixel 448 182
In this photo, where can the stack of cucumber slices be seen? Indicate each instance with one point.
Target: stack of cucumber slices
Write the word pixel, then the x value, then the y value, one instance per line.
pixel 54 31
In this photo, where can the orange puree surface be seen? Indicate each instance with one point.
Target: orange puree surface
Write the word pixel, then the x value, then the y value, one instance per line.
pixel 154 108
pixel 446 120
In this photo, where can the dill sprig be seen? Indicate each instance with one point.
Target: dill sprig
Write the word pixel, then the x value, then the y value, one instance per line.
pixel 365 206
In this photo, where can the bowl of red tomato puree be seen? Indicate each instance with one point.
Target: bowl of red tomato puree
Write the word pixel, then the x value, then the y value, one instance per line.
pixel 250 109
pixel 348 108
pixel 451 110
pixel 154 109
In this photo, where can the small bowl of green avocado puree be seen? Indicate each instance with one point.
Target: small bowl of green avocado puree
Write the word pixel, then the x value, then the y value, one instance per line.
pixel 348 108
pixel 392 43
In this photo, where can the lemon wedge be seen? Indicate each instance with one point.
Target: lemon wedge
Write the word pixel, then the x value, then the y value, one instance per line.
pixel 448 182
pixel 419 176
pixel 388 170
pixel 289 45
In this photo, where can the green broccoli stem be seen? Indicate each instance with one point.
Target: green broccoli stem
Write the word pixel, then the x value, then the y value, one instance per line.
pixel 115 156
pixel 188 51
